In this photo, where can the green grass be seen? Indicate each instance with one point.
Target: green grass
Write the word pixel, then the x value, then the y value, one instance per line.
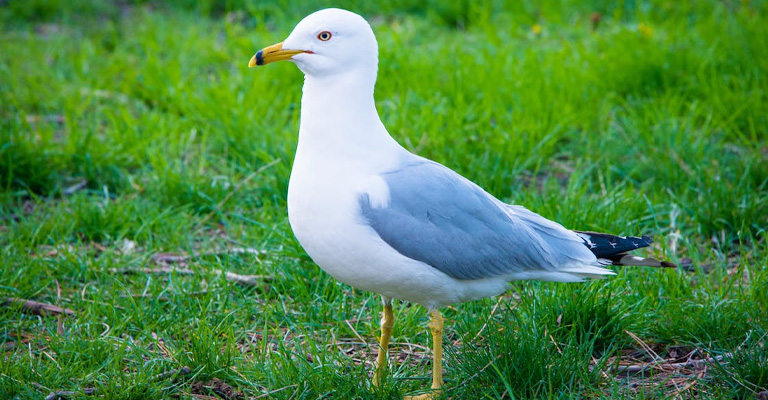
pixel 132 129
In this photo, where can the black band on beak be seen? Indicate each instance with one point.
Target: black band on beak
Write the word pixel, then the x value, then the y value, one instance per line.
pixel 260 57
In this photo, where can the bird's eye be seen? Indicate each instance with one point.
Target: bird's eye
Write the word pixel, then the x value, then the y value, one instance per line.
pixel 324 36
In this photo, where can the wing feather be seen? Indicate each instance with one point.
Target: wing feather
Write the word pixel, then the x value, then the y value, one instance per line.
pixel 440 218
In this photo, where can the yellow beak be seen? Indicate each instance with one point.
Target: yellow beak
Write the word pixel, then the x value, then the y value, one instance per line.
pixel 273 53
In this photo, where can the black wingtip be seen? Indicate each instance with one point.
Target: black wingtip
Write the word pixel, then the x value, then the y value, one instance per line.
pixel 646 239
pixel 604 245
pixel 617 248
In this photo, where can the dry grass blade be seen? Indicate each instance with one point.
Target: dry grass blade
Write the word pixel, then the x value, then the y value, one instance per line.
pixel 164 261
pixel 174 372
pixel 248 280
pixel 692 364
pixel 65 394
pixel 271 392
pixel 79 185
pixel 357 334
pixel 490 316
pixel 173 258
pixel 38 308
pixel 645 347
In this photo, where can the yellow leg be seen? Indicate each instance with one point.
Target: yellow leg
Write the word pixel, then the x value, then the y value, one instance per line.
pixel 436 327
pixel 387 321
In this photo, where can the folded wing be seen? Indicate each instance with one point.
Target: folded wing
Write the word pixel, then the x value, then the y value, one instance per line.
pixel 442 219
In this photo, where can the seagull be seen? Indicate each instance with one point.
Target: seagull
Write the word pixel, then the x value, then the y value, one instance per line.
pixel 382 219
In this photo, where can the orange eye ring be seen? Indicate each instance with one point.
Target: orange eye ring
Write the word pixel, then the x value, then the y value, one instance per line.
pixel 324 36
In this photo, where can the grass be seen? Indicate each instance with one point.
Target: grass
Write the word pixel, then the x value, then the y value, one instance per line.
pixel 131 131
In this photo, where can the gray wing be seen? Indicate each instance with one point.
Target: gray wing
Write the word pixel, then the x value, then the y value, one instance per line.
pixel 442 219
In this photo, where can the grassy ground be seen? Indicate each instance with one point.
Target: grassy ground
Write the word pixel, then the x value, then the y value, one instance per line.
pixel 140 158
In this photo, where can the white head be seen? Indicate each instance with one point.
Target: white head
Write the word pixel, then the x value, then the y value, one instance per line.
pixel 326 43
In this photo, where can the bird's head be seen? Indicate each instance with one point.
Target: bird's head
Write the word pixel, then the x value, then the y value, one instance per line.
pixel 326 43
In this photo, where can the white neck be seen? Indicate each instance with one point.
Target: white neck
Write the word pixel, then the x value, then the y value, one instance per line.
pixel 338 115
